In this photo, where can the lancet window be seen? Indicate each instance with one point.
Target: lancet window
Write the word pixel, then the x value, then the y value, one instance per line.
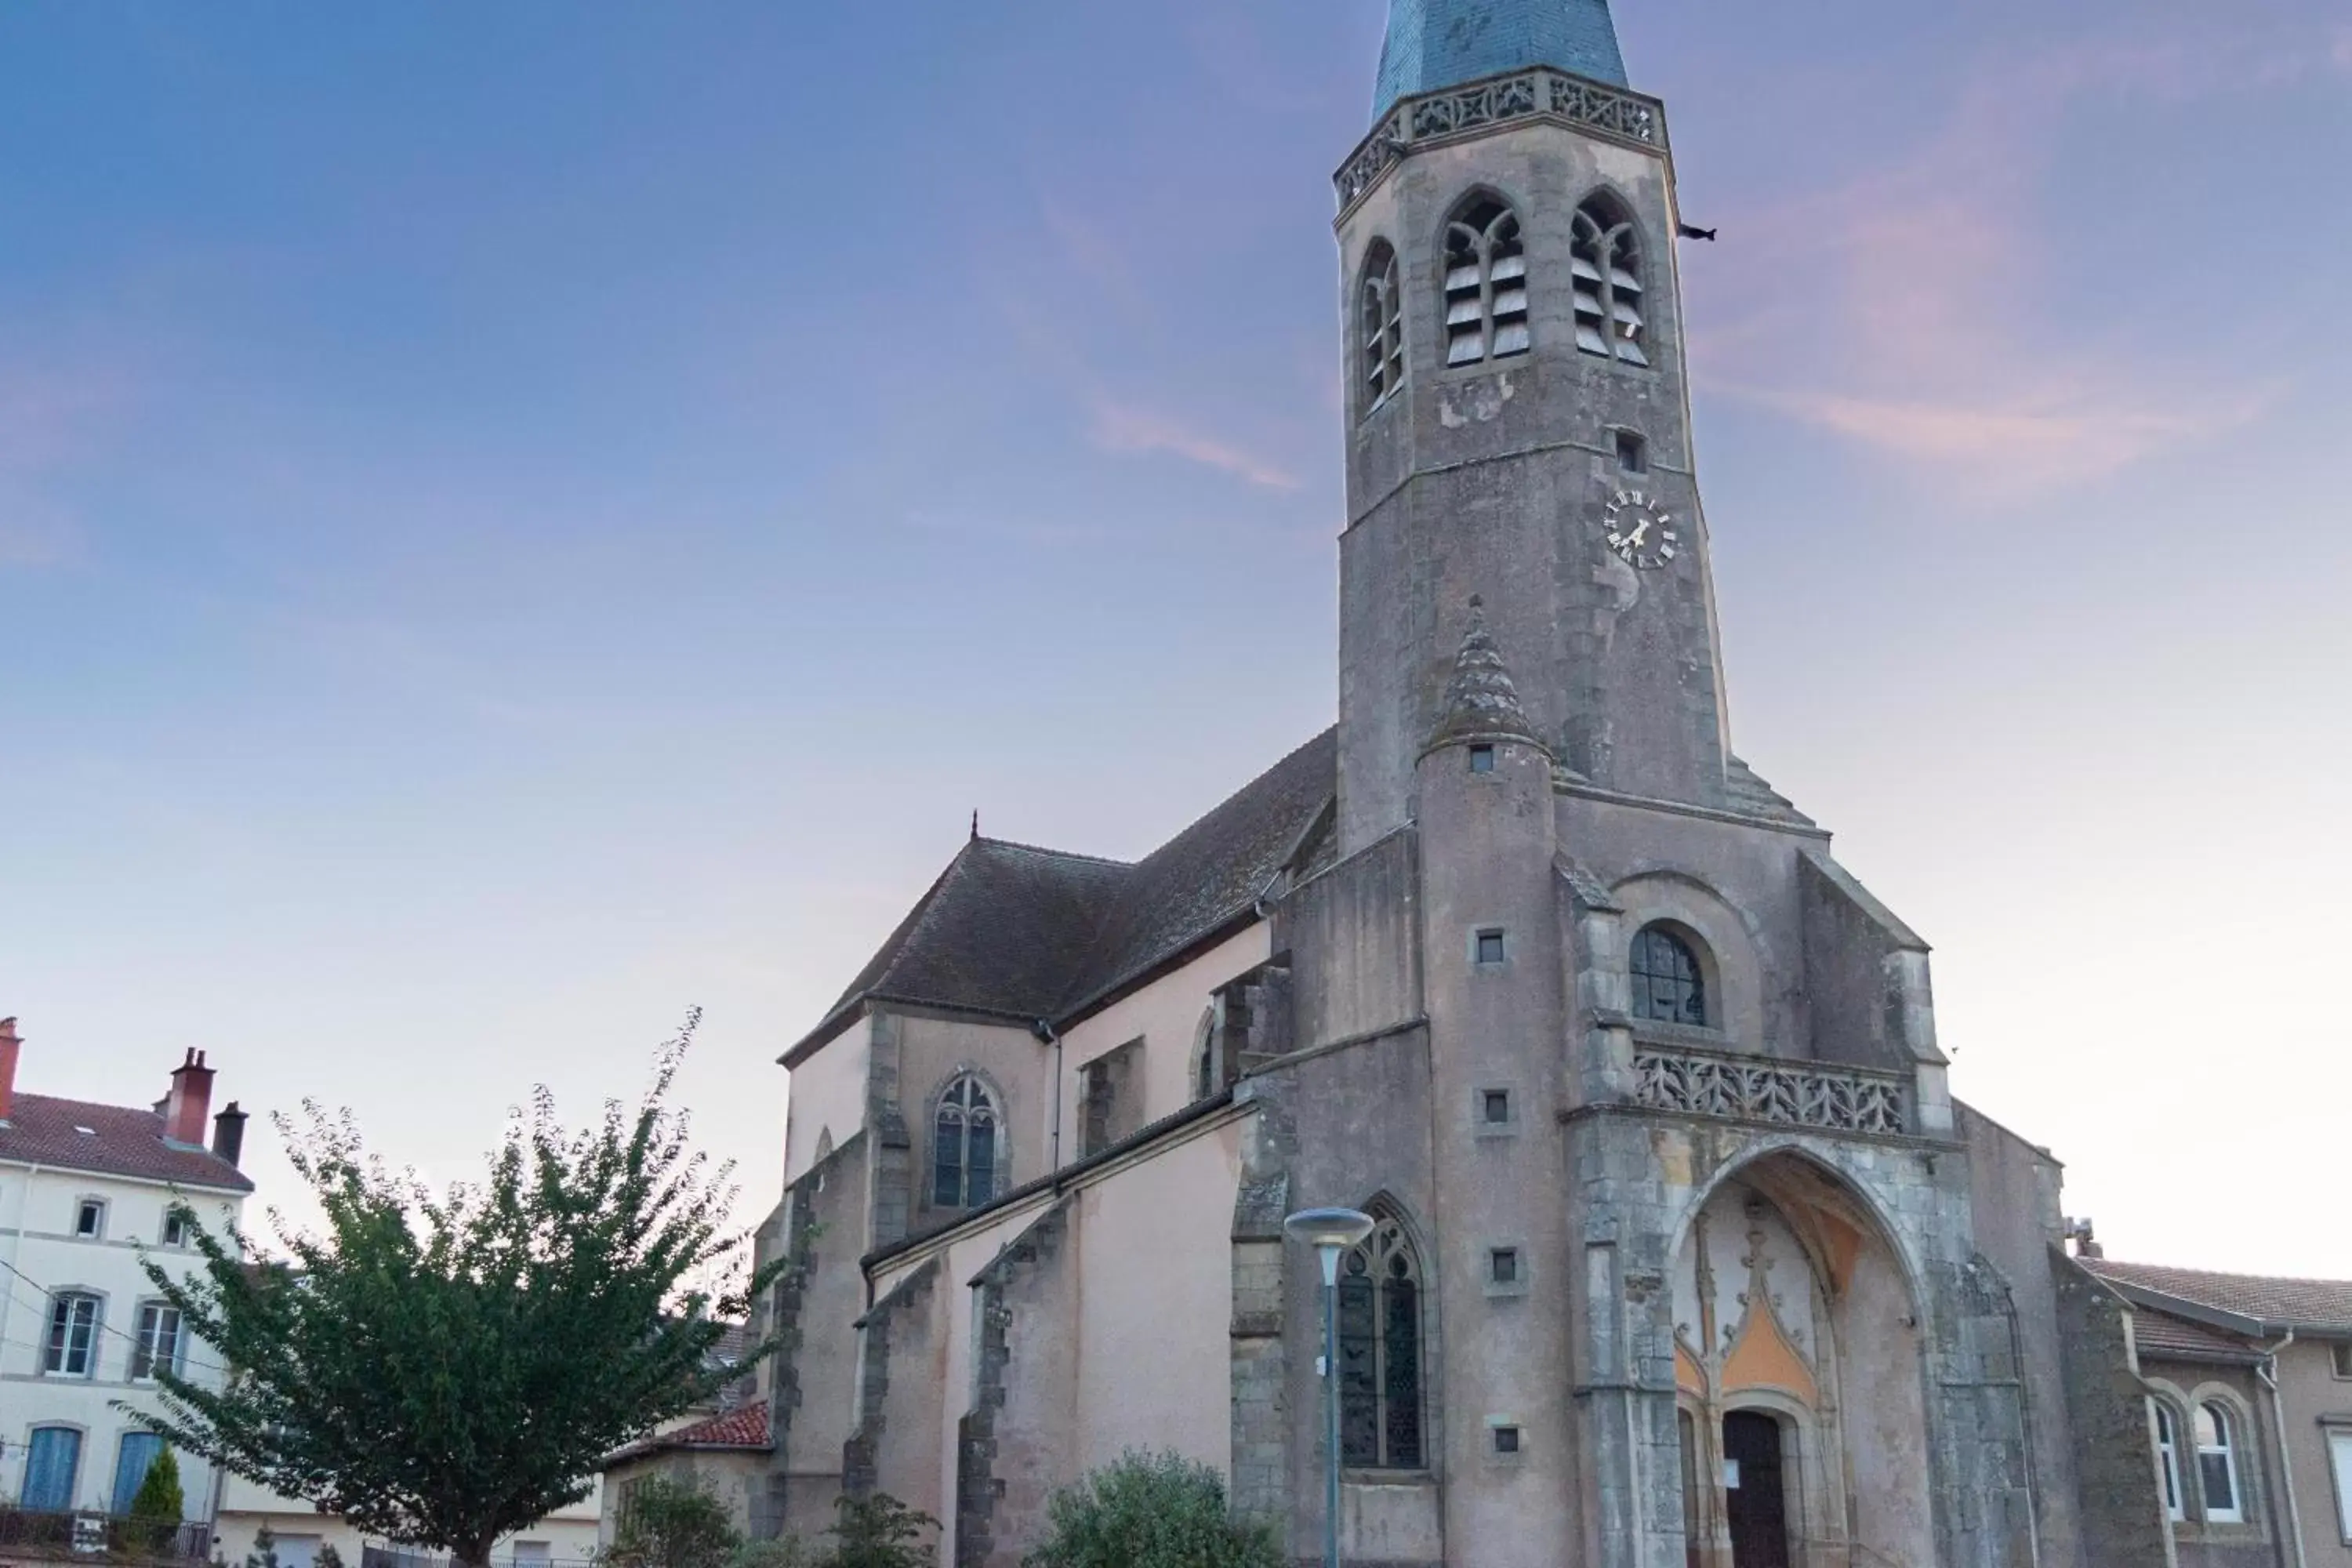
pixel 1380 1352
pixel 1383 318
pixel 1668 985
pixel 964 1145
pixel 1486 285
pixel 2168 1454
pixel 1605 258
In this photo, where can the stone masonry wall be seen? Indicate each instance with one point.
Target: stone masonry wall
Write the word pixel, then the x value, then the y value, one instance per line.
pixel 2122 1494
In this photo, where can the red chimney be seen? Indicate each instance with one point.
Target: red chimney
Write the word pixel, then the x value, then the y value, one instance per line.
pixel 190 1103
pixel 10 1046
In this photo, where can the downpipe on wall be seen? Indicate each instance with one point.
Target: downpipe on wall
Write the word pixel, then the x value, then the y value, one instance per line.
pixel 2266 1373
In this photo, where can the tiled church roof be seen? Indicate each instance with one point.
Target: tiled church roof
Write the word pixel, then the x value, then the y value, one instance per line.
pixel 114 1140
pixel 2321 1305
pixel 1436 44
pixel 1023 933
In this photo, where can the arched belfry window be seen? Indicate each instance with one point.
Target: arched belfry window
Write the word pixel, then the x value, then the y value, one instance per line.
pixel 1668 985
pixel 1380 1352
pixel 1605 256
pixel 964 1145
pixel 1383 320
pixel 1485 284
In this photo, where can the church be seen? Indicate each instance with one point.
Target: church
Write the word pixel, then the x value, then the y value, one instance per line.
pixel 1685 1253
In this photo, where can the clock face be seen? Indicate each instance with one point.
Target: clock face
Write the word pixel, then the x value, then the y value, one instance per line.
pixel 1641 532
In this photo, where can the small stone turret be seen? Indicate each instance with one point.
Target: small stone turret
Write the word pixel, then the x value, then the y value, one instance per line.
pixel 1482 702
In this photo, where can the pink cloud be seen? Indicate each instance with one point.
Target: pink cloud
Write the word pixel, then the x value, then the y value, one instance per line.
pixel 1903 311
pixel 1120 427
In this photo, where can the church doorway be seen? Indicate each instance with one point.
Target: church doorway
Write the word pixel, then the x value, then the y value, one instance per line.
pixel 1756 1496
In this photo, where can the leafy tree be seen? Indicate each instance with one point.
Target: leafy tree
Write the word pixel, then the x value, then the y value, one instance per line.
pixel 877 1530
pixel 444 1370
pixel 159 1500
pixel 673 1524
pixel 326 1556
pixel 1152 1510
pixel 265 1550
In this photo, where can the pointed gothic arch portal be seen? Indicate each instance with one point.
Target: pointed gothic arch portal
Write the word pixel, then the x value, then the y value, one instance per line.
pixel 1799 1375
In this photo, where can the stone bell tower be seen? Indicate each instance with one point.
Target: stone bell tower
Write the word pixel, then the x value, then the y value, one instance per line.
pixel 1518 422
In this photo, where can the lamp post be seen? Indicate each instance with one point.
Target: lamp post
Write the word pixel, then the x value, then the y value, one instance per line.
pixel 1330 1232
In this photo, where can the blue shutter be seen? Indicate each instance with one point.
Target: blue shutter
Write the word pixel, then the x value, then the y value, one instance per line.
pixel 139 1451
pixel 49 1469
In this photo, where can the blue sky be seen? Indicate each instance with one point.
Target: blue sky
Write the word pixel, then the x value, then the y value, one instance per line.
pixel 517 519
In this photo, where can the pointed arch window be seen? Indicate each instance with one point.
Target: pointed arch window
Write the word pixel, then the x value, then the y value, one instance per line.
pixel 1381 315
pixel 1380 1352
pixel 1605 258
pixel 2217 1464
pixel 964 1145
pixel 1668 985
pixel 1485 284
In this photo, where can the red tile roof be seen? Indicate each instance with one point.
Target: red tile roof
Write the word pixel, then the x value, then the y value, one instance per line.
pixel 2321 1305
pixel 745 1427
pixel 2161 1336
pixel 112 1139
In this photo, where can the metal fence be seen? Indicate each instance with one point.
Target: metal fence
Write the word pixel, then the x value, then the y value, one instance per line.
pixel 397 1557
pixel 94 1535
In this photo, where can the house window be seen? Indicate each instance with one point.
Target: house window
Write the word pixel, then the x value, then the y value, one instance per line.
pixel 90 1219
pixel 1497 1106
pixel 131 1461
pixel 963 1146
pixel 2339 1459
pixel 1605 258
pixel 1380 1352
pixel 1668 984
pixel 175 1229
pixel 73 1350
pixel 1503 1265
pixel 2341 1352
pixel 1482 759
pixel 2168 1454
pixel 2217 1464
pixel 52 1465
pixel 1632 453
pixel 1489 947
pixel 1383 327
pixel 1486 285
pixel 528 1553
pixel 159 1344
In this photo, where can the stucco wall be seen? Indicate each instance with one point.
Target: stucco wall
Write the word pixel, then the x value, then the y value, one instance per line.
pixel 826 1096
pixel 1354 939
pixel 1019 1071
pixel 2317 1404
pixel 1166 1015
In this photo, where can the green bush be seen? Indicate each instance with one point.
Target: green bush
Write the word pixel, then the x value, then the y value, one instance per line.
pixel 785 1551
pixel 879 1531
pixel 673 1524
pixel 1152 1510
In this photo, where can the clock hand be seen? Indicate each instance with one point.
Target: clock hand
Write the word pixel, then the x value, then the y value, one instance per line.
pixel 1641 534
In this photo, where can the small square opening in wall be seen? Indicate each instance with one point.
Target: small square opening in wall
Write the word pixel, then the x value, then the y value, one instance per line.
pixel 1482 759
pixel 1495 1109
pixel 2342 1352
pixel 1503 1265
pixel 1507 1440
pixel 1488 947
pixel 1632 452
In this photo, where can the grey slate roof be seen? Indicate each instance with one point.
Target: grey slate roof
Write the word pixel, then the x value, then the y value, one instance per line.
pixel 1023 934
pixel 121 1140
pixel 1481 700
pixel 1436 44
pixel 2321 1305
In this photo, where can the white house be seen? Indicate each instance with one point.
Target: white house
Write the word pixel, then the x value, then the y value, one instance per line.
pixel 84 1188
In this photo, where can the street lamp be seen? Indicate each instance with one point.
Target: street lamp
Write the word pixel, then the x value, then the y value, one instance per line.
pixel 1330 1232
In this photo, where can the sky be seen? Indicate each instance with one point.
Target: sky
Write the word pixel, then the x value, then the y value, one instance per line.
pixel 520 520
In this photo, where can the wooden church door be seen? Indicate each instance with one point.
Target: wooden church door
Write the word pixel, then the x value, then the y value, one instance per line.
pixel 1756 1498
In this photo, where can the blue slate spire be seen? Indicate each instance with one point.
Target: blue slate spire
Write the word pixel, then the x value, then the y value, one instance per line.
pixel 1435 44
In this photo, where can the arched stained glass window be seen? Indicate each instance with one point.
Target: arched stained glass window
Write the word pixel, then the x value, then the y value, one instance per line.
pixel 964 1145
pixel 1605 258
pixel 1485 284
pixel 1668 985
pixel 1383 320
pixel 1380 1352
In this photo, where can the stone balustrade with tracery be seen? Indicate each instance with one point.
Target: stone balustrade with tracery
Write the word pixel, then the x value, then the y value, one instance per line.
pixel 1612 111
pixel 1759 1088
